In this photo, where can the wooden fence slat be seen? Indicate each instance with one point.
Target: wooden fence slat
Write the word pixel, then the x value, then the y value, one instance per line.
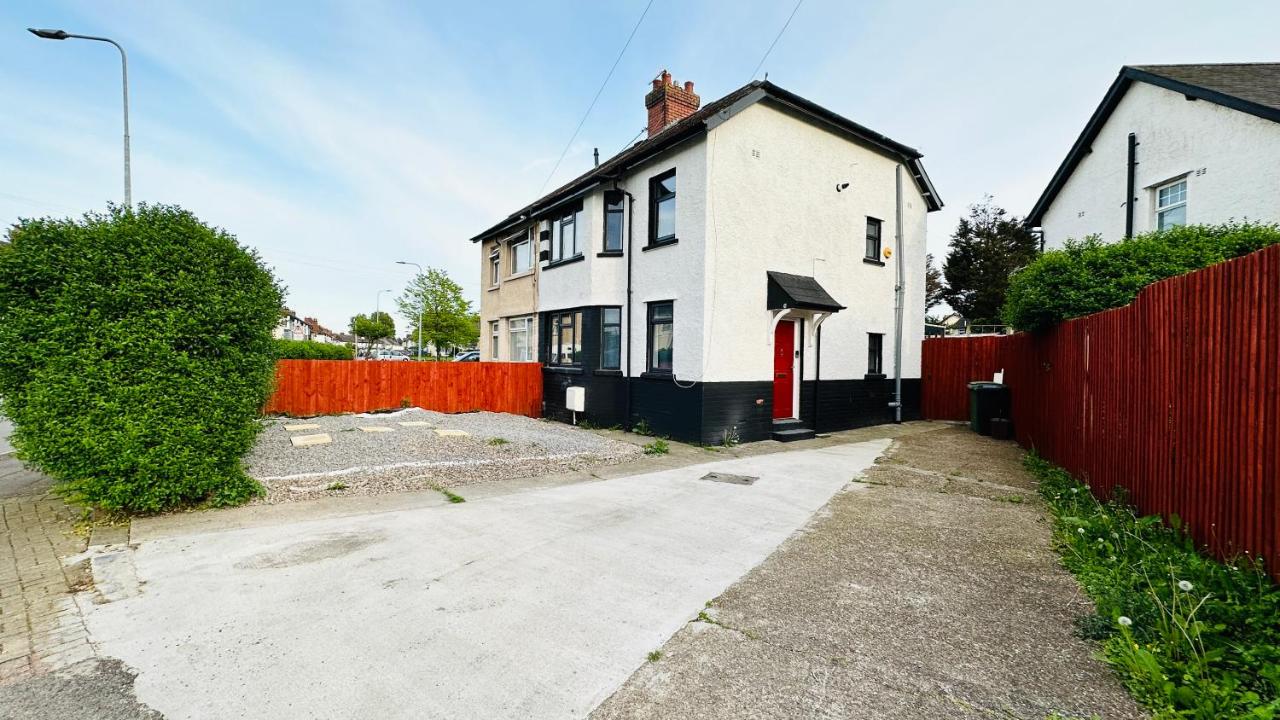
pixel 1174 397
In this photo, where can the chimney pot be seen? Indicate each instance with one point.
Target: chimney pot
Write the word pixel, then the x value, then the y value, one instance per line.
pixel 688 86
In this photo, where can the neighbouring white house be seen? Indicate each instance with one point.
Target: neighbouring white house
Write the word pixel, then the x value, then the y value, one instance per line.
pixel 1170 145
pixel 735 275
pixel 320 333
pixel 291 327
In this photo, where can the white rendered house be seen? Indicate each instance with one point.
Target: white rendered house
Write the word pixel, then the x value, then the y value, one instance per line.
pixel 735 274
pixel 1170 145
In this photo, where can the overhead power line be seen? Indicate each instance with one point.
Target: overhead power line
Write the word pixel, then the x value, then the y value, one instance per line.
pixel 594 99
pixel 785 25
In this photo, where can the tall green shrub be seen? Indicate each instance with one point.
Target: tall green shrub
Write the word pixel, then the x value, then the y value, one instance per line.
pixel 311 350
pixel 137 355
pixel 1089 276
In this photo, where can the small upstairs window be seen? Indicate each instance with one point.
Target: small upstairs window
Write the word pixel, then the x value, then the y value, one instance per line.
pixel 1171 205
pixel 662 209
pixel 521 255
pixel 613 225
pixel 495 268
pixel 873 239
pixel 566 236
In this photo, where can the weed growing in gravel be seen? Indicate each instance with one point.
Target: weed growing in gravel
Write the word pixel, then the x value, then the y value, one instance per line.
pixel 337 486
pixel 1191 637
pixel 655 655
pixel 1015 499
pixel 449 494
pixel 730 437
pixel 496 442
pixel 641 428
pixel 657 447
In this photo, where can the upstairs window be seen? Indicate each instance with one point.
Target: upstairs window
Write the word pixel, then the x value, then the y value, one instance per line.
pixel 875 353
pixel 660 337
pixel 613 221
pixel 521 255
pixel 873 239
pixel 1171 205
pixel 662 209
pixel 495 268
pixel 565 342
pixel 611 338
pixel 565 237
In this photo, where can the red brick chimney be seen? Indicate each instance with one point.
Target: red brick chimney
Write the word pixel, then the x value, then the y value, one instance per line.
pixel 668 103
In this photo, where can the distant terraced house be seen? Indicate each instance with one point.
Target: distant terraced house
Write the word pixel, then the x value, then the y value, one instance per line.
pixel 753 268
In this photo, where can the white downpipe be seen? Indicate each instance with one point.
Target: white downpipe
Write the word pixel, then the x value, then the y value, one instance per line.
pixel 899 296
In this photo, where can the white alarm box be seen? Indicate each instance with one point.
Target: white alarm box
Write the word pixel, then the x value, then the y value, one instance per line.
pixel 575 398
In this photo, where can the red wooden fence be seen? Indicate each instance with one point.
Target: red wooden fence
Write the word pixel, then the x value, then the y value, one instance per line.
pixel 317 387
pixel 1175 397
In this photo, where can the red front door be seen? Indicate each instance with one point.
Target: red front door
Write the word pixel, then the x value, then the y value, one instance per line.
pixel 784 349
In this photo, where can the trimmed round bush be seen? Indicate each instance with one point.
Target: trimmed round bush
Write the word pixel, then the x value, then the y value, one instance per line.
pixel 137 356
pixel 1090 276
pixel 311 350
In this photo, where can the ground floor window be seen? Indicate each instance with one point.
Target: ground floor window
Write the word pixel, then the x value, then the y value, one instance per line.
pixel 519 329
pixel 493 339
pixel 661 322
pixel 875 353
pixel 611 338
pixel 565 339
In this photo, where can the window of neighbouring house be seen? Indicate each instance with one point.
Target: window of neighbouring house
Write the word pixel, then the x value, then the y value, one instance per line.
pixel 1171 205
pixel 495 269
pixel 565 341
pixel 875 354
pixel 566 236
pixel 519 330
pixel 521 255
pixel 662 209
pixel 660 332
pixel 610 338
pixel 493 339
pixel 873 238
pixel 613 221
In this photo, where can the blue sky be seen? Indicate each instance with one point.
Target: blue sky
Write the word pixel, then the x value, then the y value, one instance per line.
pixel 339 137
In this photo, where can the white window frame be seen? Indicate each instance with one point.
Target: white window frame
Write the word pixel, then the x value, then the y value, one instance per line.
pixel 495 268
pixel 515 248
pixel 495 332
pixel 520 326
pixel 1161 210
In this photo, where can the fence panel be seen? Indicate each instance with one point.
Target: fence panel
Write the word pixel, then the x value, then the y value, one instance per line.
pixel 1175 398
pixel 319 387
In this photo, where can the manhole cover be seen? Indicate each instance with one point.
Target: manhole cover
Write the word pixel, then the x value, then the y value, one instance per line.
pixel 727 478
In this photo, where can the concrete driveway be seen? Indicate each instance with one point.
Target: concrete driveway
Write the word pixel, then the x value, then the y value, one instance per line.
pixel 532 605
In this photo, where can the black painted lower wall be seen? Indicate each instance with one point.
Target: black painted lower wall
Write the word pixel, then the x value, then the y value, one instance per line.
pixel 706 412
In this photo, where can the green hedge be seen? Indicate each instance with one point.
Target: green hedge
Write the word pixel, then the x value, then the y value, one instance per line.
pixel 1191 637
pixel 311 350
pixel 137 356
pixel 1089 276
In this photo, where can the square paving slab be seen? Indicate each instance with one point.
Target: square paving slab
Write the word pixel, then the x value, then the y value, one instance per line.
pixel 309 440
pixel 376 428
pixel 450 432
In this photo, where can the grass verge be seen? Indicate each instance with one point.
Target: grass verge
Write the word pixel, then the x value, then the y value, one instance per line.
pixel 1191 637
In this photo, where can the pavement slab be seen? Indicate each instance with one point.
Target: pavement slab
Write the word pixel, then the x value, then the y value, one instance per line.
pixel 309 440
pixel 533 605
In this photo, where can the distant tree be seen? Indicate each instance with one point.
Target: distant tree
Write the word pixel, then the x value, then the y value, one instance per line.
pixel 934 287
pixel 986 248
pixel 447 319
pixel 372 328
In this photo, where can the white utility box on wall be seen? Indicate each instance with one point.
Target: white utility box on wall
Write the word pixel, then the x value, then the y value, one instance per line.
pixel 575 398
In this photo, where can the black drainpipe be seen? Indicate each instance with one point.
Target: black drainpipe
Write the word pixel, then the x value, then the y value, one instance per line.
pixel 631 206
pixel 1128 203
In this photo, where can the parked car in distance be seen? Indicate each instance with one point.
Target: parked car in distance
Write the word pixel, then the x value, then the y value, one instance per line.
pixel 467 356
pixel 390 355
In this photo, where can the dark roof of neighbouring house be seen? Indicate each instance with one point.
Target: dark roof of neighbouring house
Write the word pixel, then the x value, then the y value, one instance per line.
pixel 798 291
pixel 1252 88
pixel 709 116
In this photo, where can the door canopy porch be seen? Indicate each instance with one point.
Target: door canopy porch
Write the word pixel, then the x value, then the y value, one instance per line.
pixel 792 296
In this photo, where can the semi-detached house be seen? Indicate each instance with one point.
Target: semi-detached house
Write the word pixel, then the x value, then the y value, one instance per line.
pixel 754 267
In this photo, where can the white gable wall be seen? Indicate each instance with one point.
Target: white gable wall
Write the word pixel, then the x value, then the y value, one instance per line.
pixel 780 211
pixel 1231 161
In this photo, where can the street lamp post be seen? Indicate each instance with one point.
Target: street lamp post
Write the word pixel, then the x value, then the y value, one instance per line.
pixel 402 262
pixel 124 75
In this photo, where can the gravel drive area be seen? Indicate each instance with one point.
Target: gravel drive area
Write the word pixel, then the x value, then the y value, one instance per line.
pixel 415 456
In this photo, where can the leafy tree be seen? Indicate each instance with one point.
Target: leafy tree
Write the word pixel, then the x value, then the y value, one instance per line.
pixel 137 355
pixel 373 327
pixel 933 285
pixel 447 319
pixel 986 248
